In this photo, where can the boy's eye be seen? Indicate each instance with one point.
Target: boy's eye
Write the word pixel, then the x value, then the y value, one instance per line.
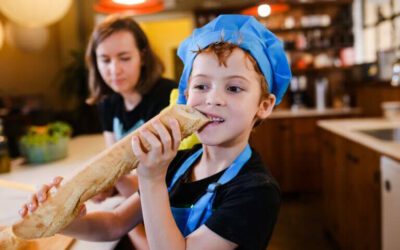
pixel 125 58
pixel 200 86
pixel 234 89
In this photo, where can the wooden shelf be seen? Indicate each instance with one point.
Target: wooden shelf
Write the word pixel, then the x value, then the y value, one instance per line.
pixel 320 70
pixel 317 50
pixel 305 29
pixel 314 3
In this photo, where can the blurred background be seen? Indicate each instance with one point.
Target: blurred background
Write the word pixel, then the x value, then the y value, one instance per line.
pixel 345 59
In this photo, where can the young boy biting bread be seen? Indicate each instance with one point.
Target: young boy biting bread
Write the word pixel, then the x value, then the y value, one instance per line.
pixel 217 195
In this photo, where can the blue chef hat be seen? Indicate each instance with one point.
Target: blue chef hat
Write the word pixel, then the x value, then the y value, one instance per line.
pixel 250 35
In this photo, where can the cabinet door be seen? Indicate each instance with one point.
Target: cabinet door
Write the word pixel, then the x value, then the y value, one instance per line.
pixel 362 198
pixel 332 164
pixel 272 140
pixel 328 169
pixel 305 174
pixel 339 191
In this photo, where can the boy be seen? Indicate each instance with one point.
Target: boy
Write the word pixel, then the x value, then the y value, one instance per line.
pixel 217 195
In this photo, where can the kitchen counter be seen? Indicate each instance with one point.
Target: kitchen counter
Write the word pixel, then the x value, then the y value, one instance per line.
pixel 17 186
pixel 281 114
pixel 348 128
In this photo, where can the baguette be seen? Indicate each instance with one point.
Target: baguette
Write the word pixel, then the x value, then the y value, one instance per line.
pixel 98 174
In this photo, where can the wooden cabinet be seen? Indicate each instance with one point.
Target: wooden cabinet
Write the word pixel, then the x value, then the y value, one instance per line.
pixel 332 161
pixel 290 148
pixel 273 140
pixel 351 192
pixel 369 98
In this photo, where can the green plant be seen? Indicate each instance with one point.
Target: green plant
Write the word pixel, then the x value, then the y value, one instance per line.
pixel 51 133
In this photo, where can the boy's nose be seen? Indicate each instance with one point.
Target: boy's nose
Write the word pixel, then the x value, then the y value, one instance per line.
pixel 216 98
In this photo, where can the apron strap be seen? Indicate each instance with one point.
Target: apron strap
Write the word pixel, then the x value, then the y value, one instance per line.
pixel 202 209
pixel 184 167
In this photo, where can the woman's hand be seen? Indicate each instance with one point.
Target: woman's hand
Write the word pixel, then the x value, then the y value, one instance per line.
pixel 163 148
pixel 41 196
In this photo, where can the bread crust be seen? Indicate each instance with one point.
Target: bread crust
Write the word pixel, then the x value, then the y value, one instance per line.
pixel 100 173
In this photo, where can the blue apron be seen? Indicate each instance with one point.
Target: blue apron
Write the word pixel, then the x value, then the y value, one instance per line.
pixel 118 128
pixel 189 219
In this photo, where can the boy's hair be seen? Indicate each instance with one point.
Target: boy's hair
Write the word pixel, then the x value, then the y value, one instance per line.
pixel 151 69
pixel 224 49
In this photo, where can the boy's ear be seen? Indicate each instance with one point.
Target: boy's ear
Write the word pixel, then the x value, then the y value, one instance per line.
pixel 266 106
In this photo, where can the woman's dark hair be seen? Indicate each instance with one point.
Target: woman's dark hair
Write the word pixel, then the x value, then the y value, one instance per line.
pixel 151 69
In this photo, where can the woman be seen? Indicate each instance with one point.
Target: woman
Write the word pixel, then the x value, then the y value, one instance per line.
pixel 124 77
pixel 125 82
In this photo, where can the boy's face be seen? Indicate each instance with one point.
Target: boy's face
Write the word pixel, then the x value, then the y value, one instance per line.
pixel 229 95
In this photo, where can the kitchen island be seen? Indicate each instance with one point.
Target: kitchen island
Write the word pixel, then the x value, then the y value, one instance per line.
pixel 352 185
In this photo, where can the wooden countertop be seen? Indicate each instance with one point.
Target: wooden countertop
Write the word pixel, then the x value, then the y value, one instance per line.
pixel 348 128
pixel 281 114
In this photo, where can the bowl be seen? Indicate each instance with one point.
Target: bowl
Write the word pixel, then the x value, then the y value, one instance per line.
pixel 45 152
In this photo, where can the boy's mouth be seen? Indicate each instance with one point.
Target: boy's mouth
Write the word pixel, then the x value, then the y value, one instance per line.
pixel 215 119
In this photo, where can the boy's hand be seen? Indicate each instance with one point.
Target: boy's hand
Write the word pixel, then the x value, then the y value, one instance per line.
pixel 41 196
pixel 164 146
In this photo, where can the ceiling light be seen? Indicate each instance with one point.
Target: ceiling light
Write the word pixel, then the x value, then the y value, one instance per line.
pixel 129 2
pixel 264 10
pixel 35 13
pixel 25 38
pixel 146 7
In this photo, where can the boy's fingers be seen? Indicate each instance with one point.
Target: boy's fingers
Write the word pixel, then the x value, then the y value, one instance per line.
pixel 154 142
pixel 57 181
pixel 164 135
pixel 42 194
pixel 32 205
pixel 136 147
pixel 176 133
pixel 23 210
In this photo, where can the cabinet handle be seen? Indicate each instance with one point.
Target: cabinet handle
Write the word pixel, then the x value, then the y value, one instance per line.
pixel 283 127
pixel 388 186
pixel 377 177
pixel 352 158
pixel 332 149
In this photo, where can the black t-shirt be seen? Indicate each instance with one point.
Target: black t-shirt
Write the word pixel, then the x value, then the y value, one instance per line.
pixel 151 104
pixel 245 209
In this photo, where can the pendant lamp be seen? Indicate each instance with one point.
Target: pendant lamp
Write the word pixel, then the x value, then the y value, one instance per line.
pixel 26 39
pixel 135 7
pixel 35 13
